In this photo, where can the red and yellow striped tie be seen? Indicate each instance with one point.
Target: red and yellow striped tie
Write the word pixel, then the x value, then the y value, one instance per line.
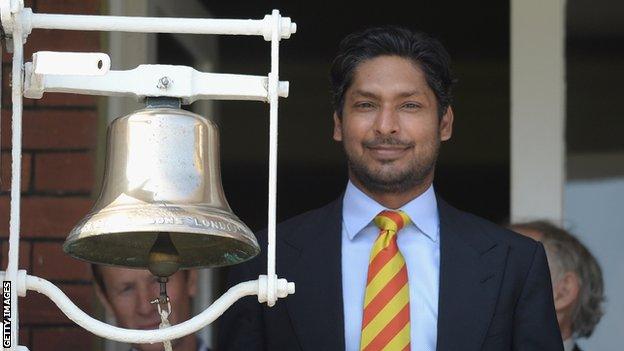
pixel 386 320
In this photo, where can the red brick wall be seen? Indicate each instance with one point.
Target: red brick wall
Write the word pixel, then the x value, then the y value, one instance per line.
pixel 59 140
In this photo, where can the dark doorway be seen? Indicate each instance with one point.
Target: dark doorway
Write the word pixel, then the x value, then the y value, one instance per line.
pixel 473 171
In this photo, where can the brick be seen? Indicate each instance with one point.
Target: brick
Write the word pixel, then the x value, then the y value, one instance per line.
pixel 46 217
pixel 24 337
pixel 48 99
pixel 24 254
pixel 5 171
pixel 37 309
pixel 64 171
pixel 55 40
pixel 58 40
pixel 6 85
pixel 53 339
pixel 53 130
pixel 77 7
pixel 50 262
pixel 59 99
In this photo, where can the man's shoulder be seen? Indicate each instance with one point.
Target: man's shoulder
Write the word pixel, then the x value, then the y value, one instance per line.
pixel 478 226
pixel 309 220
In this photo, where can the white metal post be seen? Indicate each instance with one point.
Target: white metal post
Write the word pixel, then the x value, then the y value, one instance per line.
pixel 16 171
pixel 156 24
pixel 273 131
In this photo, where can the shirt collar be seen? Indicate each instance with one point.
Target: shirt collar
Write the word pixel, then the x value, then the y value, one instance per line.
pixel 568 344
pixel 359 210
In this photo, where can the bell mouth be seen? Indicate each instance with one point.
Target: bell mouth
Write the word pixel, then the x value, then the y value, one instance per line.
pixel 202 237
pixel 131 249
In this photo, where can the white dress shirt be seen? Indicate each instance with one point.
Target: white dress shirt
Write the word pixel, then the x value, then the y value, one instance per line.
pixel 420 245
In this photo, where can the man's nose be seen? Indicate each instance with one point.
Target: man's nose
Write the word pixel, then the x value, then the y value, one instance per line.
pixel 387 121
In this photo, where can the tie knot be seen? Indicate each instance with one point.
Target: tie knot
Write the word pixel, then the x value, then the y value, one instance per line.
pixel 391 220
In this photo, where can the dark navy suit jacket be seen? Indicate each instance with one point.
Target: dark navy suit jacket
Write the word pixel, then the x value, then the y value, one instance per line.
pixel 495 289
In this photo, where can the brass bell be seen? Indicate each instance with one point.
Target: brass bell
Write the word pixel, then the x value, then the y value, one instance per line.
pixel 162 205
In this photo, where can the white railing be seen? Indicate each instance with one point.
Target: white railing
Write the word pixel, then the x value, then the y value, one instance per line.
pixel 47 73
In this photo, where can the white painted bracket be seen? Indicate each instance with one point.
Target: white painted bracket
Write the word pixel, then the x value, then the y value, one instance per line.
pixel 47 73
pixel 73 63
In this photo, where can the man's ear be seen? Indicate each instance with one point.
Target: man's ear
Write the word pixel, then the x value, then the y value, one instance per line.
pixel 191 282
pixel 337 127
pixel 446 124
pixel 566 291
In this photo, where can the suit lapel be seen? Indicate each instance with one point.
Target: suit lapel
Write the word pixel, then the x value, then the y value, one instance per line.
pixel 471 271
pixel 316 308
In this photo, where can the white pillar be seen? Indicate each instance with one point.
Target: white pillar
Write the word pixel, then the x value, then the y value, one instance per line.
pixel 537 109
pixel 128 50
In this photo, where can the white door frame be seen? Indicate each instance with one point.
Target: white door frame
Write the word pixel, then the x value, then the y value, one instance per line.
pixel 537 109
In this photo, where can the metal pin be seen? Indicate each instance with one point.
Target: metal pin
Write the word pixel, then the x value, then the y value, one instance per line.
pixel 162 299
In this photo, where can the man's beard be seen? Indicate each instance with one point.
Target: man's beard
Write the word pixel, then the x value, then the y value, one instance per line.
pixel 384 181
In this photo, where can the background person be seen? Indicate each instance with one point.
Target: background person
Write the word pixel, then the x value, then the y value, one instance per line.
pixel 578 287
pixel 126 293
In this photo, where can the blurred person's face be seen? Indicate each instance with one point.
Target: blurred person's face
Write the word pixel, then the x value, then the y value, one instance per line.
pixel 128 292
pixel 390 126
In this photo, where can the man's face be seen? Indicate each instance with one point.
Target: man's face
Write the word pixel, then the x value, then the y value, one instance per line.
pixel 390 126
pixel 129 292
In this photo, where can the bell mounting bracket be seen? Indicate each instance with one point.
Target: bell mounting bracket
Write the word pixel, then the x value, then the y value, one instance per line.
pixel 88 73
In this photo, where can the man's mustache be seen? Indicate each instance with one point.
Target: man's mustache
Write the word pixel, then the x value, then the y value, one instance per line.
pixel 387 141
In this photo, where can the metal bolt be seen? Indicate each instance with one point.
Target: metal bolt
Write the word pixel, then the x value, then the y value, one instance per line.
pixel 163 83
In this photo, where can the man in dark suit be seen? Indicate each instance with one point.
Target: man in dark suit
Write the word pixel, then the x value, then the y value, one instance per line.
pixel 389 265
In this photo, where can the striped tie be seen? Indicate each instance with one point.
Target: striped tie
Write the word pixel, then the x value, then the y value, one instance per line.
pixel 386 320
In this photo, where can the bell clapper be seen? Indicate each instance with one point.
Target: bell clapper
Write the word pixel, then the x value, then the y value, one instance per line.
pixel 163 261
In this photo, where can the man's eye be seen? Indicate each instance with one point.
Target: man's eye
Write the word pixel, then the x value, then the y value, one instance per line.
pixel 364 105
pixel 126 289
pixel 410 106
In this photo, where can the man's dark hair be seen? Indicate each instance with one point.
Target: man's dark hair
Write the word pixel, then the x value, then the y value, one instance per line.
pixel 422 49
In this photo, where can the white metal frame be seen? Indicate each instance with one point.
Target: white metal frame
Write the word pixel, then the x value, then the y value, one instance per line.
pixel 146 80
pixel 44 74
